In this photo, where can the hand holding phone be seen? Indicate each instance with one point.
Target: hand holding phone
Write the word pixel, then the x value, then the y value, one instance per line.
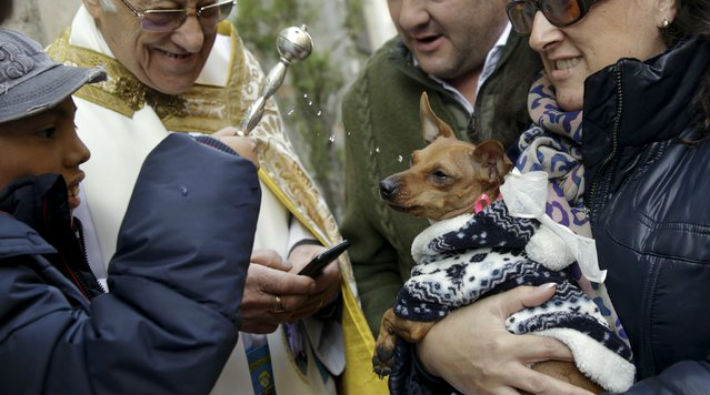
pixel 316 265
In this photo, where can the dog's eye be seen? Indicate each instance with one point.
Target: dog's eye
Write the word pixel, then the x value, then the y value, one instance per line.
pixel 440 175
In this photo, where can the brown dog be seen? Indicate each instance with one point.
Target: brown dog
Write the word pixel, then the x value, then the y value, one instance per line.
pixel 448 176
pixel 447 179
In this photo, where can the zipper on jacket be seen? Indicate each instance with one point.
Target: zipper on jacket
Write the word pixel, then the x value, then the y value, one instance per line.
pixel 82 246
pixel 601 182
pixel 70 273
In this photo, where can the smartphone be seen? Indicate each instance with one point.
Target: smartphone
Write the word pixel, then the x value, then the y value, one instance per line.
pixel 316 265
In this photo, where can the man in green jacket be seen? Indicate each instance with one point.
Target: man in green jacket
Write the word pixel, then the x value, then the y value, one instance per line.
pixel 477 73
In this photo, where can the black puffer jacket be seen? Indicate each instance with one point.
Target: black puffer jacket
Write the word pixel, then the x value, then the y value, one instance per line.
pixel 649 196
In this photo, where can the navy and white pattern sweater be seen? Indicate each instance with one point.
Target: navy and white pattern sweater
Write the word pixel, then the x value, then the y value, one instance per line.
pixel 471 256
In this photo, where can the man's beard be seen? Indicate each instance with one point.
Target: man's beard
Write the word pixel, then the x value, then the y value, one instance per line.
pixel 457 66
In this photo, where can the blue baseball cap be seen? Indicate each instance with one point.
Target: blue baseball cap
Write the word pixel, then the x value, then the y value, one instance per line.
pixel 31 82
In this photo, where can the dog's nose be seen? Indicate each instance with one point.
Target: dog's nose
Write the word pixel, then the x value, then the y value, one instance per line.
pixel 388 188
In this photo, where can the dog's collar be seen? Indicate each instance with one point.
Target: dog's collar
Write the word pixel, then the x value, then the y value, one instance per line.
pixel 481 203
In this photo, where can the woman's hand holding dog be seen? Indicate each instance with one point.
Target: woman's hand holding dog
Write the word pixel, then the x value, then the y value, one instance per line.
pixel 484 358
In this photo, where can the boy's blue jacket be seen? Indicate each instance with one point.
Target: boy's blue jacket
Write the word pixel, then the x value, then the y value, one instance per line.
pixel 176 280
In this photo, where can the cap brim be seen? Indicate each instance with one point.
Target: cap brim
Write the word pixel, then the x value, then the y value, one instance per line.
pixel 45 91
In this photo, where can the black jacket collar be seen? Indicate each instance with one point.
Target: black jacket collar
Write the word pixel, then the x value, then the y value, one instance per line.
pixel 633 103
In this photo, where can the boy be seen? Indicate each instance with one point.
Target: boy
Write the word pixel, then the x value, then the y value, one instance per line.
pixel 177 277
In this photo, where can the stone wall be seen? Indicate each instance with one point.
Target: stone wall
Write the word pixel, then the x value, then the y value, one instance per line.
pixel 42 20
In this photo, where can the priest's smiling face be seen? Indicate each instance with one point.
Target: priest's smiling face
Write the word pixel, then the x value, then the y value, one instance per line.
pixel 168 62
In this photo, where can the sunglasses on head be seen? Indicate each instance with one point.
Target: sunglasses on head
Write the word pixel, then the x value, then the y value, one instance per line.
pixel 161 20
pixel 560 13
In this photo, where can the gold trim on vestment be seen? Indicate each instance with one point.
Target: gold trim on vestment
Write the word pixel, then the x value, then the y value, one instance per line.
pixel 204 108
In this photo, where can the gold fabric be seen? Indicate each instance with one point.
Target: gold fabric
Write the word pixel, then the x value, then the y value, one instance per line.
pixel 203 109
pixel 207 109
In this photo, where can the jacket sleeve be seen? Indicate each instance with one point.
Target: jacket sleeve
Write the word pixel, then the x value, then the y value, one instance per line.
pixel 685 377
pixel 171 319
pixel 374 259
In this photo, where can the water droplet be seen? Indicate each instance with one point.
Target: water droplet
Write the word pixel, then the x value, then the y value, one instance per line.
pixel 377 150
pixel 305 95
pixel 318 114
pixel 290 112
pixel 348 133
pixel 400 159
pixel 331 139
pixel 310 103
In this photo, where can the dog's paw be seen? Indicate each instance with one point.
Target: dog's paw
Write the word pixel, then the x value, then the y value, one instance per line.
pixel 381 364
pixel 383 358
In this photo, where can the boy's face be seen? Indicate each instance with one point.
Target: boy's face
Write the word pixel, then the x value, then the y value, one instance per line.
pixel 44 143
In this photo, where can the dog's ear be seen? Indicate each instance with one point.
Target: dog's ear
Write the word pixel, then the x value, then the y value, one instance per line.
pixel 491 156
pixel 432 126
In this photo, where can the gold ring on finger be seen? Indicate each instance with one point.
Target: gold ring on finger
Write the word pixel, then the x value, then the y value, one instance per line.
pixel 278 306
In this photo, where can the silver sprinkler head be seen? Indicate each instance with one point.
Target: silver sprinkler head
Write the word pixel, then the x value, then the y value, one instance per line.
pixel 294 43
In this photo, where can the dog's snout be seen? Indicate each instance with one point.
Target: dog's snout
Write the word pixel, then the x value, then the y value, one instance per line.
pixel 388 188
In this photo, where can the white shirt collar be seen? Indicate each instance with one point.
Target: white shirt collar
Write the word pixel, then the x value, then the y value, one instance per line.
pixel 503 39
pixel 492 58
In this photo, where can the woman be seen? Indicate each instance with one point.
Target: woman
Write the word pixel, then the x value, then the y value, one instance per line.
pixel 645 150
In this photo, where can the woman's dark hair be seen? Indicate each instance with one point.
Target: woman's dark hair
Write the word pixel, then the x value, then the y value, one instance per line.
pixel 5 9
pixel 510 106
pixel 693 19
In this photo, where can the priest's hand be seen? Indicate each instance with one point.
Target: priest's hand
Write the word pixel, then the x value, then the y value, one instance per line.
pixel 246 147
pixel 272 294
pixel 327 282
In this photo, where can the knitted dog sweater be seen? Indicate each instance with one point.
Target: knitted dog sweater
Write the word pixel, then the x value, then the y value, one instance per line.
pixel 471 256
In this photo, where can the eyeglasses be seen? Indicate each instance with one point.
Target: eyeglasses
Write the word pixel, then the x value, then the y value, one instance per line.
pixel 560 13
pixel 169 20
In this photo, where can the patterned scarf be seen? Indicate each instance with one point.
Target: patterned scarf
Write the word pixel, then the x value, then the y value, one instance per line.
pixel 553 144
